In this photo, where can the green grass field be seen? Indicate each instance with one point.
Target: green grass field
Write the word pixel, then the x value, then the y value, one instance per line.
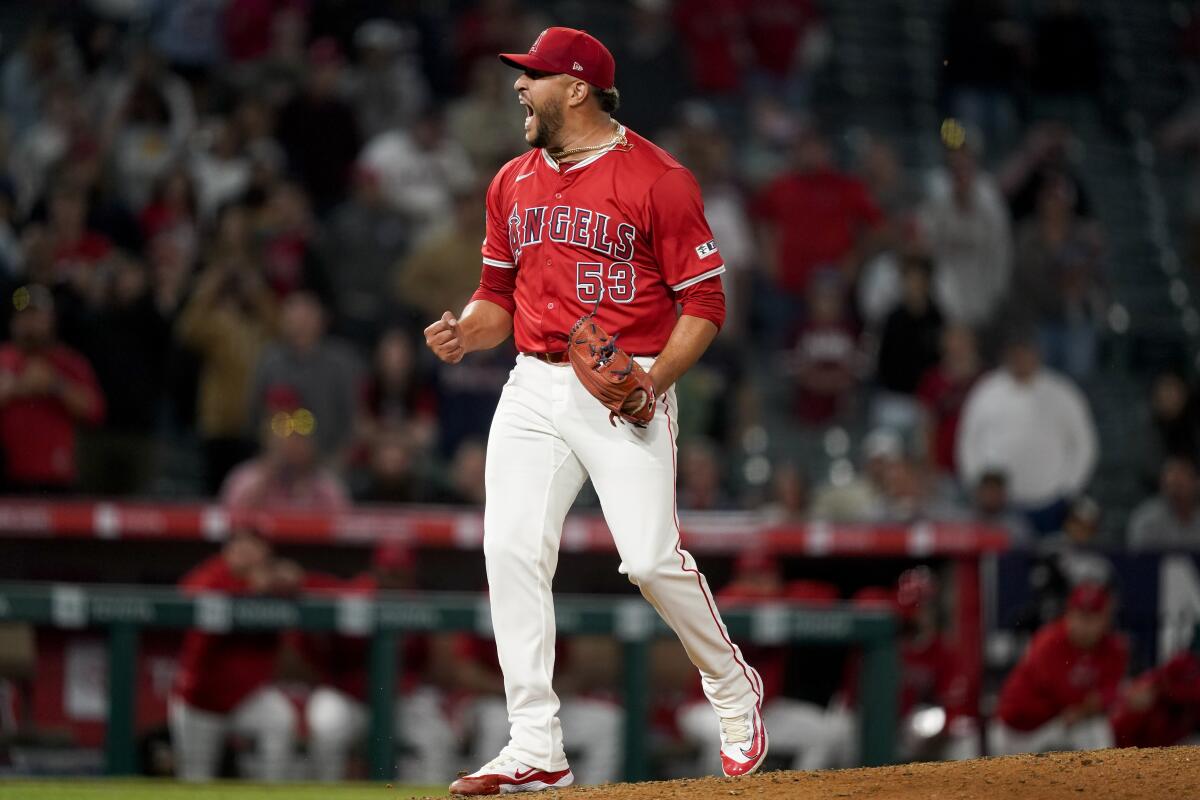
pixel 101 789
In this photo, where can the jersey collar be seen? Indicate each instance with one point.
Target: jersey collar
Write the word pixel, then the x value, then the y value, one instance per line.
pixel 580 164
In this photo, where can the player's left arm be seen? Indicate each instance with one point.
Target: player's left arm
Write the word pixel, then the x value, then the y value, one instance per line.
pixel 692 267
pixel 689 340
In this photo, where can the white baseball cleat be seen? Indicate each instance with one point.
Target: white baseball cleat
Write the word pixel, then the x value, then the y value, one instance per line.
pixel 505 775
pixel 743 743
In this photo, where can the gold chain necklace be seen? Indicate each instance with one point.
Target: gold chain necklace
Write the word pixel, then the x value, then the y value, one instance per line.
pixel 618 138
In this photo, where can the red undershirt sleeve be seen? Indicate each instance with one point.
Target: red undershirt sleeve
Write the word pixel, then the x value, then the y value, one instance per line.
pixel 498 281
pixel 497 285
pixel 705 300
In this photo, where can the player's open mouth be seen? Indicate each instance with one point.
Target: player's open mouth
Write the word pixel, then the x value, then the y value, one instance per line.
pixel 528 112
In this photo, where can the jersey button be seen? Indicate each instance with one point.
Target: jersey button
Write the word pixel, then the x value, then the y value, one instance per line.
pixel 549 262
pixel 549 305
pixel 558 196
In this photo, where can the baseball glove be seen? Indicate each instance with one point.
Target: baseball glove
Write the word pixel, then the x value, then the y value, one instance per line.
pixel 609 373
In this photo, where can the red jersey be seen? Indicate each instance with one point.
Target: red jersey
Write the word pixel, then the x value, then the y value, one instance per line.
pixel 217 671
pixel 944 397
pixel 38 433
pixel 82 253
pixel 1055 675
pixel 816 217
pixel 624 228
pixel 1174 714
pixel 713 31
pixel 929 674
pixel 776 31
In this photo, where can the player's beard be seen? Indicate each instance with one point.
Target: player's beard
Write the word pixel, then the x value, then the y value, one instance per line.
pixel 549 124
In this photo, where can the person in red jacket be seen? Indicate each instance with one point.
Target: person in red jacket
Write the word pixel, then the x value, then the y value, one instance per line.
pixel 46 391
pixel 223 684
pixel 936 722
pixel 337 712
pixel 1161 707
pixel 1059 695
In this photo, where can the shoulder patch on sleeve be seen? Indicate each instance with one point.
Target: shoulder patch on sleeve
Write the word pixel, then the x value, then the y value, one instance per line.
pixel 707 249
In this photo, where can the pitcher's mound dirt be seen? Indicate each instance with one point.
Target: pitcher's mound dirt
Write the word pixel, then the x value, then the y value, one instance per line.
pixel 1169 773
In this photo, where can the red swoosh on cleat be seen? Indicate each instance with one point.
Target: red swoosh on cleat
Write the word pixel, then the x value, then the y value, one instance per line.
pixel 756 750
pixel 534 774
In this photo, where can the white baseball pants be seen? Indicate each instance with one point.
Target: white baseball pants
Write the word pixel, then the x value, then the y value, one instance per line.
pixel 547 437
pixel 198 736
pixel 337 722
pixel 1093 733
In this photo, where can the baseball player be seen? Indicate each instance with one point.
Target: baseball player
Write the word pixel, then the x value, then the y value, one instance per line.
pixel 224 681
pixel 1161 707
pixel 337 713
pixel 595 234
pixel 936 722
pixel 1058 696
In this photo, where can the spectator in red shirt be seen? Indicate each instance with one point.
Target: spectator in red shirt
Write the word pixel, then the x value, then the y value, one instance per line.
pixel 252 27
pixel 789 40
pixel 814 217
pixel 75 248
pixel 46 391
pixel 1059 696
pixel 223 683
pixel 337 711
pixel 714 34
pixel 943 391
pixel 1161 707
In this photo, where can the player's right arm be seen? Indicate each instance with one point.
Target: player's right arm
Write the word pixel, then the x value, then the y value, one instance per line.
pixel 488 318
pixel 482 325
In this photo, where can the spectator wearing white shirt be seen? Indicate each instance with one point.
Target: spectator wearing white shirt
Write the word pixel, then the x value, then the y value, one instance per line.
pixel 420 169
pixel 1035 426
pixel 965 224
pixel 1171 519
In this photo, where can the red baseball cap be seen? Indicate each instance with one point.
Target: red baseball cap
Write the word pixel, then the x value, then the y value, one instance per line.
pixel 1089 597
pixel 568 51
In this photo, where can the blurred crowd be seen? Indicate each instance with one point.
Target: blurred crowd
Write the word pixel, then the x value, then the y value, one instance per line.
pixel 223 224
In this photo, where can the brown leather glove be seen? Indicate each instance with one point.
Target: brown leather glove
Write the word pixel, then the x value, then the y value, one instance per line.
pixel 610 374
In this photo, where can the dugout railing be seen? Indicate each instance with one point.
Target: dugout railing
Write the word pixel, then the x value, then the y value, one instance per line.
pixel 123 611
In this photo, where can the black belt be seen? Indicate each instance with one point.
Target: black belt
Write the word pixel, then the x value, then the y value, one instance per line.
pixel 560 357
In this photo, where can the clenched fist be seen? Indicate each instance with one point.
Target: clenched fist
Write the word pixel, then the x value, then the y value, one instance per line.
pixel 445 339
